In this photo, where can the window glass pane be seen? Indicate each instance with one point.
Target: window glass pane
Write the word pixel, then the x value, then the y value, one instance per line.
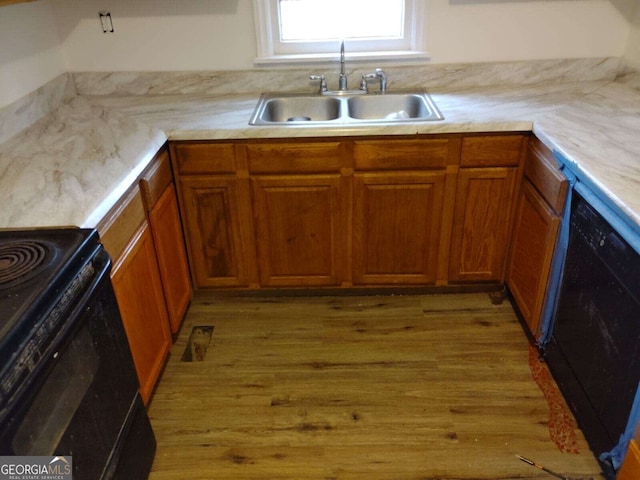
pixel 317 20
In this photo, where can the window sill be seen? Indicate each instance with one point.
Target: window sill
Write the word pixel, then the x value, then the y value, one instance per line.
pixel 316 58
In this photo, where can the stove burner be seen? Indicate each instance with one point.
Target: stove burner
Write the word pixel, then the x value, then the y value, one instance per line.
pixel 20 260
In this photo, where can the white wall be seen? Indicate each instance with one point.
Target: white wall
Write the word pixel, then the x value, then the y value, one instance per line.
pixel 480 31
pixel 632 51
pixel 157 35
pixel 30 53
pixel 41 40
pixel 219 34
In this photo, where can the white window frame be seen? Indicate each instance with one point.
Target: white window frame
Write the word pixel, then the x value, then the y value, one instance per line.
pixel 271 51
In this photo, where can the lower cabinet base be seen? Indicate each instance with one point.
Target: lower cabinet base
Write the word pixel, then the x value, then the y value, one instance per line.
pixel 490 289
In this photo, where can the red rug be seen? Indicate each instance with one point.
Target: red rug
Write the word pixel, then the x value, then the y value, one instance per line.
pixel 562 425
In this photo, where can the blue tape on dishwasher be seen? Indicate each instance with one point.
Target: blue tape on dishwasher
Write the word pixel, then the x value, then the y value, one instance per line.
pixel 602 203
pixel 557 263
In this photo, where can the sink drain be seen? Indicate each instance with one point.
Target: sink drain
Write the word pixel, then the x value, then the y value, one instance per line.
pixel 299 119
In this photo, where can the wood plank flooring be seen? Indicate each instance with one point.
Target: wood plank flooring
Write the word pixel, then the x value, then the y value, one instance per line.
pixel 378 387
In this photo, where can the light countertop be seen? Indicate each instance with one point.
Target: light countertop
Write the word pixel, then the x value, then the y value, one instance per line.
pixel 71 166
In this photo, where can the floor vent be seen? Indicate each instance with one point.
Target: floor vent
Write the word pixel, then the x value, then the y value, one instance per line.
pixel 199 340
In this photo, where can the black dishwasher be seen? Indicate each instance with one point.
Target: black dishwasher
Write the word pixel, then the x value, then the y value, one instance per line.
pixel 594 352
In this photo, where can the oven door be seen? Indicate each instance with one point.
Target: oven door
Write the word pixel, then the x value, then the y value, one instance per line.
pixel 83 393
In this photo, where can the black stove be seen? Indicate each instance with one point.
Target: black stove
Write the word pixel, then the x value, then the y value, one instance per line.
pixel 35 262
pixel 68 385
pixel 34 269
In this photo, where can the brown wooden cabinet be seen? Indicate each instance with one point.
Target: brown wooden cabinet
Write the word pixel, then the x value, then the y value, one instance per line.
pixel 301 229
pixel 484 207
pixel 166 228
pixel 534 238
pixel 426 210
pixel 396 227
pixel 135 275
pixel 630 468
pixel 216 211
pixel 536 227
pixel 300 217
pixel 217 214
pixel 482 215
pixel 138 289
pixel 11 2
pixel 136 281
pixel 161 204
pixel 400 208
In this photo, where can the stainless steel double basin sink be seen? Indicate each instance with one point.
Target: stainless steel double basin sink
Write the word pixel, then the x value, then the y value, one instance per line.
pixel 344 108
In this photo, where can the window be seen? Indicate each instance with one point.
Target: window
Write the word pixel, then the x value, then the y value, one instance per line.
pixel 311 30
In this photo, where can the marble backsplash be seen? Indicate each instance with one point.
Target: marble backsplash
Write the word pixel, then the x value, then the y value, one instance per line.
pixel 445 76
pixel 24 112
pixel 630 78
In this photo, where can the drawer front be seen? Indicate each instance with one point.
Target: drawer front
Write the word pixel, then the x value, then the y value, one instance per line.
pixel 492 151
pixel 156 178
pixel 196 158
pixel 294 157
pixel 542 171
pixel 402 154
pixel 119 225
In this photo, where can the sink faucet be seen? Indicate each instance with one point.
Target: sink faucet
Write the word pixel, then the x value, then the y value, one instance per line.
pixel 323 82
pixel 342 78
pixel 378 75
pixel 383 80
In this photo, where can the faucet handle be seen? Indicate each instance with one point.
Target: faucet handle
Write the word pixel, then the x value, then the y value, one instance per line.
pixel 364 86
pixel 378 75
pixel 323 82
pixel 383 80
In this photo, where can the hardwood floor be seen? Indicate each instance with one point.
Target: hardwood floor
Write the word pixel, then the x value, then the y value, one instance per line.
pixel 378 387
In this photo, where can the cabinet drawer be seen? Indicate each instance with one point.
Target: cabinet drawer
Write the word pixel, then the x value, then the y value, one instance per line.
pixel 195 158
pixel 402 154
pixel 542 171
pixel 155 179
pixel 119 225
pixel 492 151
pixel 294 157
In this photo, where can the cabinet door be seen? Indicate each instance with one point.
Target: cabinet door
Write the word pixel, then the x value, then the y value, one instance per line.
pixel 138 289
pixel 534 239
pixel 218 224
pixel 301 229
pixel 396 218
pixel 172 258
pixel 484 203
